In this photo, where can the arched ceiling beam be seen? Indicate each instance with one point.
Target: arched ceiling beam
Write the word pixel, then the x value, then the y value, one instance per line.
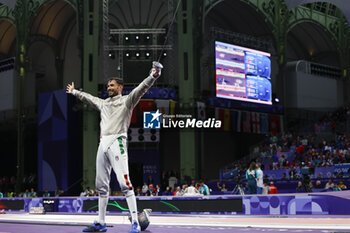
pixel 303 14
pixel 55 17
pixel 5 31
pixel 6 13
pixel 262 7
pixel 72 3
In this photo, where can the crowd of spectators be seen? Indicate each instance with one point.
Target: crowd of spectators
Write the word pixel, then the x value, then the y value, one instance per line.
pixel 326 145
pixel 310 151
pixel 323 143
pixel 31 193
pixel 8 185
pixel 88 192
pixel 170 188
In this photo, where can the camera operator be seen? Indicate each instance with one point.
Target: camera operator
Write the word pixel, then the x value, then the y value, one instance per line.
pixel 238 189
pixel 306 171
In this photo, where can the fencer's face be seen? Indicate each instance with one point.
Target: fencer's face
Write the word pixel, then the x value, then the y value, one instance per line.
pixel 114 88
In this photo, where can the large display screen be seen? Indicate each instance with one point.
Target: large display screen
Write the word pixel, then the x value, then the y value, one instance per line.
pixel 242 73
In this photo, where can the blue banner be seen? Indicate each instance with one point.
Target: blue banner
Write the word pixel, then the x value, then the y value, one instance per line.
pixel 343 168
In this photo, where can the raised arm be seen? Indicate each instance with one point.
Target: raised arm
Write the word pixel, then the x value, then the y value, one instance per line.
pixel 136 94
pixel 93 101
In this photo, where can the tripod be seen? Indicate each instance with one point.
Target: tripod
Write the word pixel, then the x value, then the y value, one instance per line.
pixel 306 181
pixel 238 190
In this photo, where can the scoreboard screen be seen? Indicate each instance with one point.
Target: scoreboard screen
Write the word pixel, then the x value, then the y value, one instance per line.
pixel 242 73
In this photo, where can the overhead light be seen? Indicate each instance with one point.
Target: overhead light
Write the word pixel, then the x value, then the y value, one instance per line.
pixel 126 38
pixel 147 54
pixel 127 54
pixel 164 54
pixel 137 37
pixel 137 54
pixel 111 54
pixel 147 37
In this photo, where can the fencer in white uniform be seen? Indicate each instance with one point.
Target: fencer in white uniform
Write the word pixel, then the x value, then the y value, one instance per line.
pixel 115 113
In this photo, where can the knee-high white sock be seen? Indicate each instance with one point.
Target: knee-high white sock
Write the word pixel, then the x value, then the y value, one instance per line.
pixel 102 207
pixel 131 200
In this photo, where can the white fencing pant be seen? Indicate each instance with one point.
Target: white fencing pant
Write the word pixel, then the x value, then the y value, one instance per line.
pixel 116 157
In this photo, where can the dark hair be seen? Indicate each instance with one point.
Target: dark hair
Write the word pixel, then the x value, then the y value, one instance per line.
pixel 117 79
pixel 252 166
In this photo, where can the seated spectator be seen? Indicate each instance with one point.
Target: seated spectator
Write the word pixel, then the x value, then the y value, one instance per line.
pixel 191 191
pixel 282 161
pixel 151 191
pixel 95 192
pixel 273 188
pixel 318 184
pixel 203 189
pixel 197 186
pixel 336 188
pixel 300 149
pixel 300 187
pixel 158 190
pixel 138 191
pixel 330 184
pixel 12 194
pixel 88 192
pixel 144 188
pixel 32 193
pixel 178 191
pixel 275 166
pixel 223 189
pixel 184 187
pixel 265 189
pixel 46 193
pixel 311 186
pixel 342 185
pixel 26 193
